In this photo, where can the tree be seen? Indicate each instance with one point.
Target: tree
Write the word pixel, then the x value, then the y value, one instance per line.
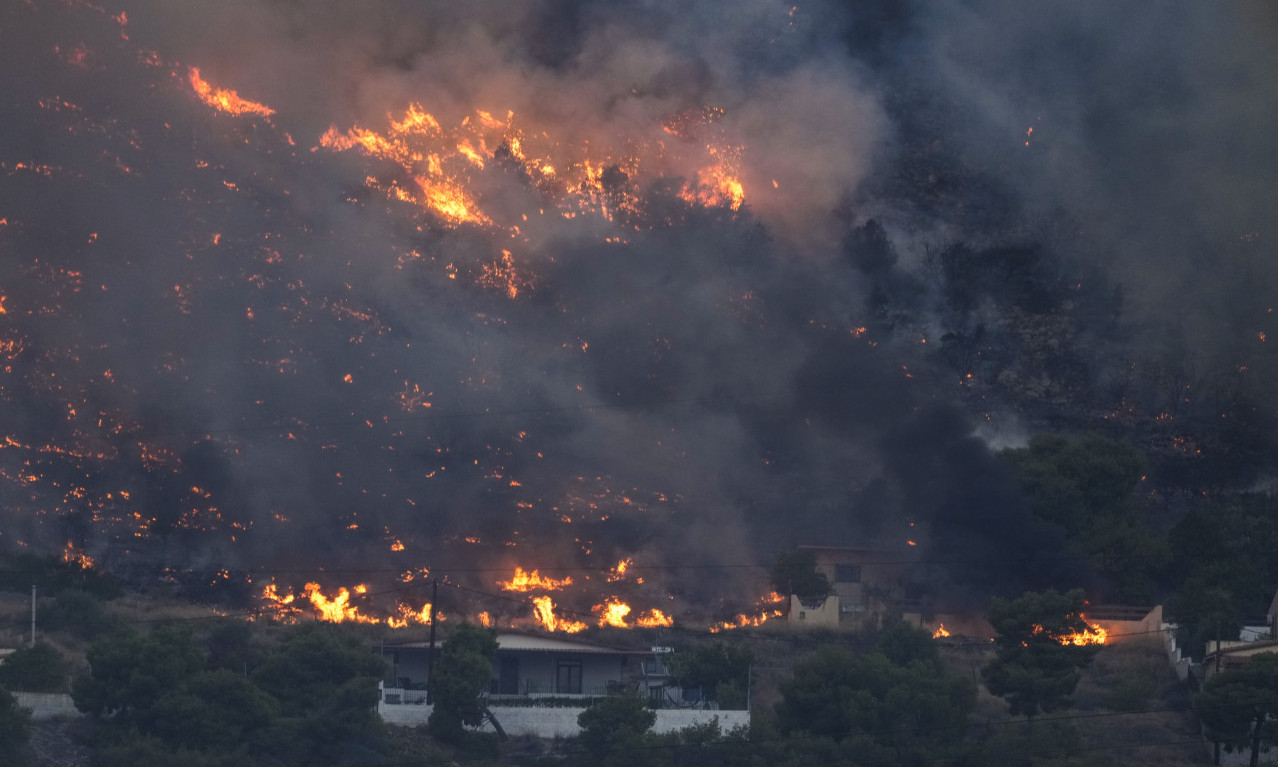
pixel 893 712
pixel 870 249
pixel 78 613
pixel 612 728
pixel 1236 705
pixel 1085 487
pixel 212 711
pixel 1203 613
pixel 904 644
pixel 306 672
pixel 458 678
pixel 130 671
pixel 35 668
pixel 1037 665
pixel 719 669
pixel 14 731
pixel 795 573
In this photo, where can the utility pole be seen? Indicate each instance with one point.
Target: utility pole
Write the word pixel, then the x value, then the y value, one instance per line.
pixel 33 598
pixel 430 659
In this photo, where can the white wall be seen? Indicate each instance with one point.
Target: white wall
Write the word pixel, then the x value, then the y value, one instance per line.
pixel 47 705
pixel 562 722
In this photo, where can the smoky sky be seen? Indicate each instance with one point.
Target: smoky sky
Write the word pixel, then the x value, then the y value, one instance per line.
pixel 230 335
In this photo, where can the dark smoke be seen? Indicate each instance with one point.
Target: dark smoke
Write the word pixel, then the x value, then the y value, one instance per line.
pixel 717 387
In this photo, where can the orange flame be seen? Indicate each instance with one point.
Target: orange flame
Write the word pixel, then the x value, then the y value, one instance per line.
pixel 613 613
pixel 1093 634
pixel 71 555
pixel 619 572
pixel 654 618
pixel 769 609
pixel 529 581
pixel 941 631
pixel 544 614
pixel 225 100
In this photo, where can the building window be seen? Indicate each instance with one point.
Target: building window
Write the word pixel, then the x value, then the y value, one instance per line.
pixel 847 573
pixel 568 677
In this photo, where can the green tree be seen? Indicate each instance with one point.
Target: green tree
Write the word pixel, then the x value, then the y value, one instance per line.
pixel 306 672
pixel 130 671
pixel 324 678
pixel 613 729
pixel 14 731
pixel 1086 488
pixel 78 613
pixel 1203 613
pixel 213 711
pixel 795 572
pixel 719 669
pixel 1237 705
pixel 459 677
pixel 35 668
pixel 1037 665
pixel 904 644
pixel 230 646
pixel 1044 744
pixel 893 712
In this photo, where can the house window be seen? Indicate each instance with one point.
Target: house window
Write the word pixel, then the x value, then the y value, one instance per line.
pixel 847 573
pixel 568 677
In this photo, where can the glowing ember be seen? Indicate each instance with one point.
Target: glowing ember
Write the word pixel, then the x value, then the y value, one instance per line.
pixel 71 555
pixel 619 572
pixel 226 100
pixel 525 581
pixel 445 163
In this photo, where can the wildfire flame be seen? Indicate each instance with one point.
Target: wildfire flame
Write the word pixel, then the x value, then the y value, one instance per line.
pixel 544 614
pixel 1093 634
pixel 941 631
pixel 530 581
pixel 338 608
pixel 225 100
pixel 613 613
pixel 654 619
pixel 72 555
pixel 769 605
pixel 444 162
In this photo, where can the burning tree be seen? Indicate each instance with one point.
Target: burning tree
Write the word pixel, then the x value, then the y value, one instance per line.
pixel 1043 644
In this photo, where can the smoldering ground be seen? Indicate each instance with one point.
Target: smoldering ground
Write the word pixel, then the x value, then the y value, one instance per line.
pixel 702 391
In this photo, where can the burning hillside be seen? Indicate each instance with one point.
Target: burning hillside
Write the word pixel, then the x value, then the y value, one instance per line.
pixel 217 367
pixel 552 308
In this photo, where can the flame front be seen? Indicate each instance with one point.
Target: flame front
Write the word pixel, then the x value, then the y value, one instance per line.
pixel 544 614
pixel 225 100
pixel 1093 634
pixel 613 613
pixel 525 581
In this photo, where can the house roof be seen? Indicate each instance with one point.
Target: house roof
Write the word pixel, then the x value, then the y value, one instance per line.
pixel 513 642
pixel 1249 648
